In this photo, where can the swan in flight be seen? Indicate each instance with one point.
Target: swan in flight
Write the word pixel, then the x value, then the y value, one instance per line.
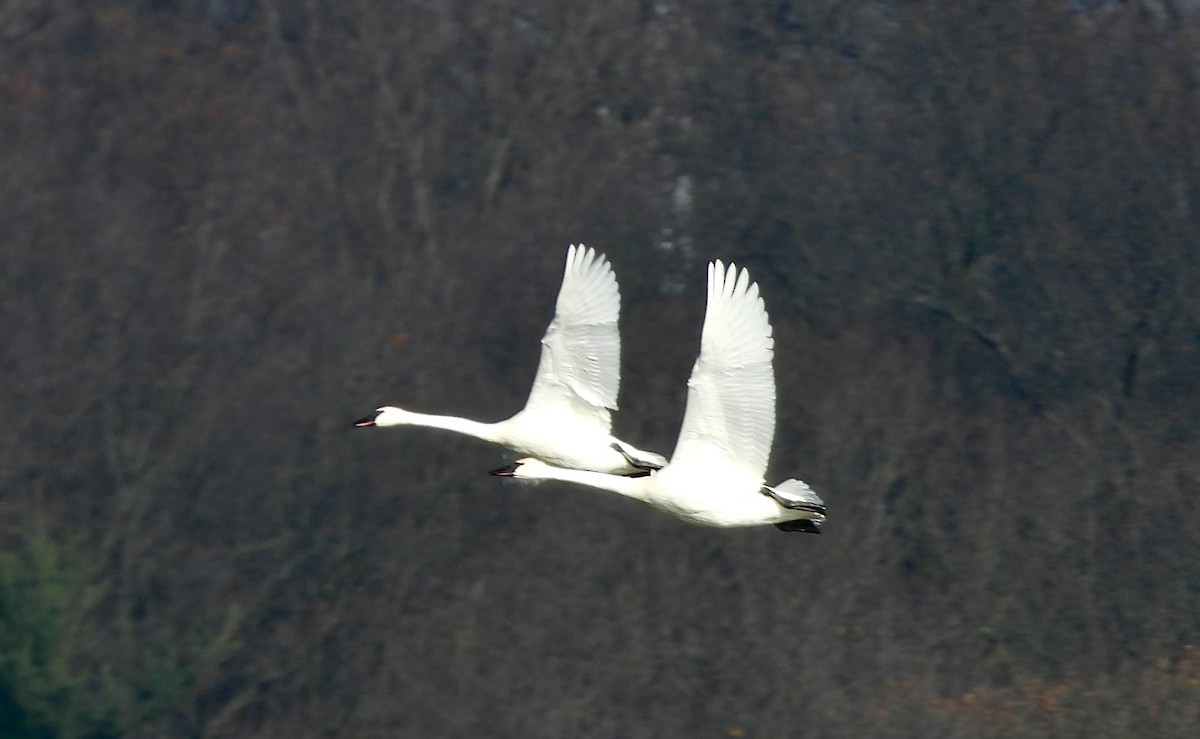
pixel 715 476
pixel 566 422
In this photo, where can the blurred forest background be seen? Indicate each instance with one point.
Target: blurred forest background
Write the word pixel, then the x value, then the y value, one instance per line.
pixel 230 228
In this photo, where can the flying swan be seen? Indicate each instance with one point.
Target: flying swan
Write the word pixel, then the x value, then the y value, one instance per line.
pixel 566 422
pixel 715 476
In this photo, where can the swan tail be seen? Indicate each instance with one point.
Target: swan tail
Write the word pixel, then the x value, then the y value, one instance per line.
pixel 643 462
pixel 797 496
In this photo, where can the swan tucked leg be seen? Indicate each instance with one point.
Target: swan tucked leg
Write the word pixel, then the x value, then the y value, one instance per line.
pixel 803 525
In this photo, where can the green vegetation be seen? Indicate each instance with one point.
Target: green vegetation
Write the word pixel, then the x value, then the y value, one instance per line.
pixel 46 690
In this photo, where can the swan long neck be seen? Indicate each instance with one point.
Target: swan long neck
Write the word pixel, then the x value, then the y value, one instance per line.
pixel 632 487
pixel 486 431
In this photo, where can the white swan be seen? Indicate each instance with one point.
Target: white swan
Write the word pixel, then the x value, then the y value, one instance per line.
pixel 566 421
pixel 715 476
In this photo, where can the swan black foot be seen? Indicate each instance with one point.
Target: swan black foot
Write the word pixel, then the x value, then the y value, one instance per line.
pixel 803 525
pixel 643 466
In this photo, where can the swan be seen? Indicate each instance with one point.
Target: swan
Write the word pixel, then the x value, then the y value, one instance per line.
pixel 566 421
pixel 715 476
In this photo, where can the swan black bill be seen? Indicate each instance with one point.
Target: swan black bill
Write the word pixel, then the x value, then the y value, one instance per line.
pixel 368 421
pixel 508 470
pixel 803 525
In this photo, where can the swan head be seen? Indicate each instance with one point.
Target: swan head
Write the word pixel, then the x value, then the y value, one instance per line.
pixel 385 416
pixel 525 469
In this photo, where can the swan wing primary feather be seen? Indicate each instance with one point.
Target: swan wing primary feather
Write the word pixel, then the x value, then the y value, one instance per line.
pixel 730 411
pixel 580 366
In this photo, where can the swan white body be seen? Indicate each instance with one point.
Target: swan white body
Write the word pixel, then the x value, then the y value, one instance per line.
pixel 567 420
pixel 715 476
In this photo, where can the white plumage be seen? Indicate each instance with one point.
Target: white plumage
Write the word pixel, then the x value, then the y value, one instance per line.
pixel 715 476
pixel 567 419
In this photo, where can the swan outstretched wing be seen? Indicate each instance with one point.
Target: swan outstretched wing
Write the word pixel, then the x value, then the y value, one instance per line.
pixel 581 351
pixel 731 394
